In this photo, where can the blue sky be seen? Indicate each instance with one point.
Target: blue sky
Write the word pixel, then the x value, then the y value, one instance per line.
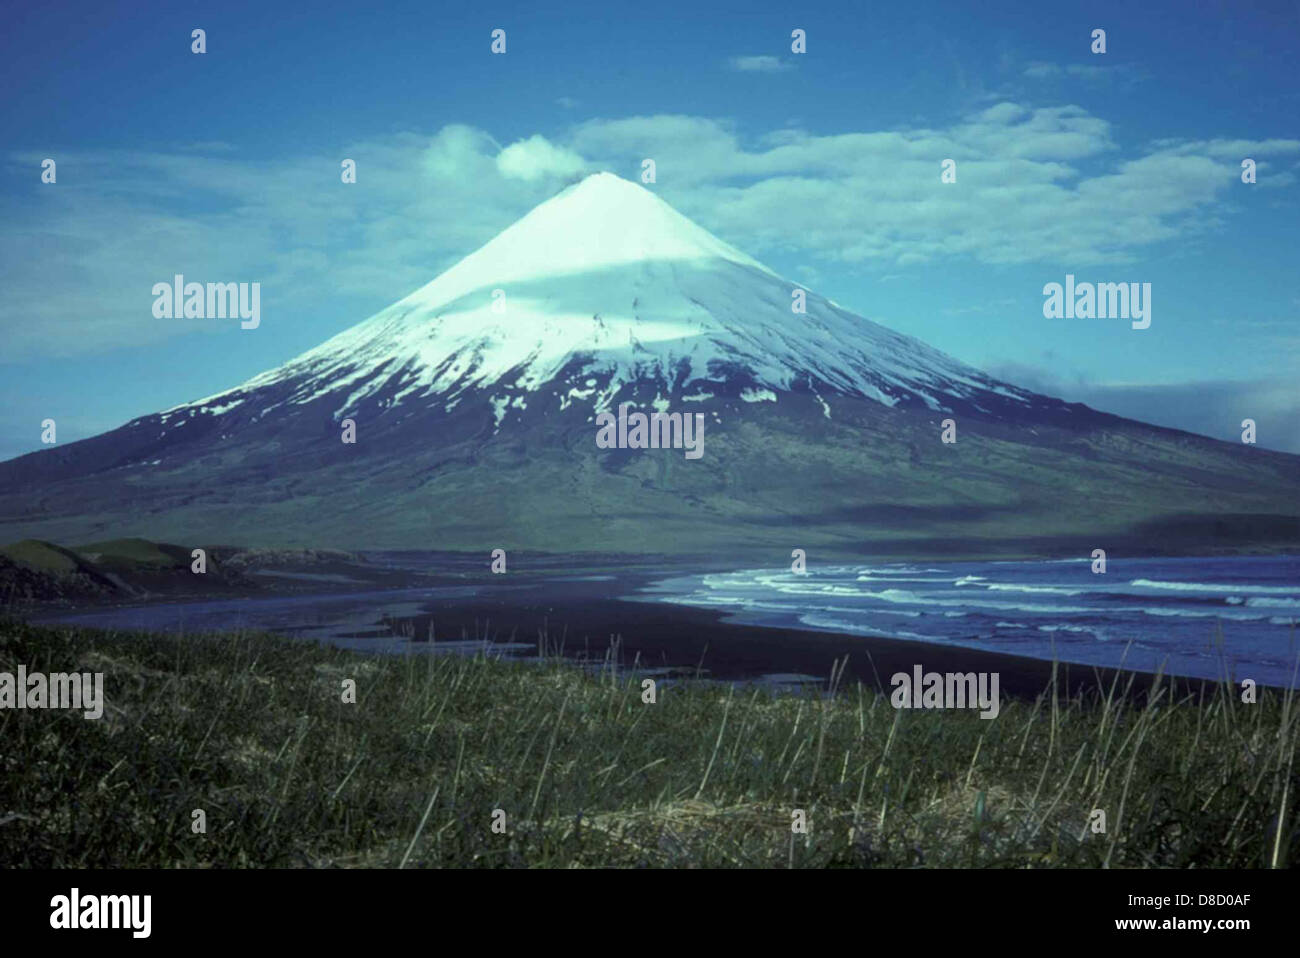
pixel 1120 167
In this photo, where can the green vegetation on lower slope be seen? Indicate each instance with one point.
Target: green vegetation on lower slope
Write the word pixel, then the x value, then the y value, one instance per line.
pixel 33 572
pixel 36 571
pixel 132 554
pixel 45 556
pixel 253 731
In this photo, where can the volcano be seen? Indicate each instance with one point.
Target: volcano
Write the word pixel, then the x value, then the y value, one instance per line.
pixel 474 401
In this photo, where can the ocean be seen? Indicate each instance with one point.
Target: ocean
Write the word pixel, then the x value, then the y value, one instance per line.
pixel 1212 618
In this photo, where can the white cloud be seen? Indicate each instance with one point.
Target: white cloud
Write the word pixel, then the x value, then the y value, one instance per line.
pixel 1034 185
pixel 1209 408
pixel 759 64
pixel 457 152
pixel 77 263
pixel 1104 73
pixel 536 158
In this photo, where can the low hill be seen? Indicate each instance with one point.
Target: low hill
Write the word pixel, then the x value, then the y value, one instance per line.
pixel 136 554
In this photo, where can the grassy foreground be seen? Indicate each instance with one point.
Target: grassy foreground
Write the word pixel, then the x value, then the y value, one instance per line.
pixel 253 730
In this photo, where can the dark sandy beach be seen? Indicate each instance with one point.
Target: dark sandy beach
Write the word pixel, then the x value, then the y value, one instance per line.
pixel 583 619
pixel 577 607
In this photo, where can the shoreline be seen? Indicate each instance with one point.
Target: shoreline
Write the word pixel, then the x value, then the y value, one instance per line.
pixel 681 637
pixel 581 606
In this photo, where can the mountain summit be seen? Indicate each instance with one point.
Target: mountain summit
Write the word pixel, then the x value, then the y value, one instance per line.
pixel 606 280
pixel 600 222
pixel 473 402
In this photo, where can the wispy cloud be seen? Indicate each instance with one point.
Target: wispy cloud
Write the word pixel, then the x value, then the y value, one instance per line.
pixel 1213 408
pixel 537 158
pixel 1093 72
pixel 1043 184
pixel 759 64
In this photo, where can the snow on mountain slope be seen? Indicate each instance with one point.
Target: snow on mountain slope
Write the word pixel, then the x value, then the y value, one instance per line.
pixel 607 274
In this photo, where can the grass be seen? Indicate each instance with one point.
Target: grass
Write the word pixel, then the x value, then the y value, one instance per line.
pixel 253 730
pixel 44 555
pixel 128 554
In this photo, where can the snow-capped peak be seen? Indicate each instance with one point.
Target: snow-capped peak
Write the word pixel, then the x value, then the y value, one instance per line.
pixel 601 222
pixel 609 275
